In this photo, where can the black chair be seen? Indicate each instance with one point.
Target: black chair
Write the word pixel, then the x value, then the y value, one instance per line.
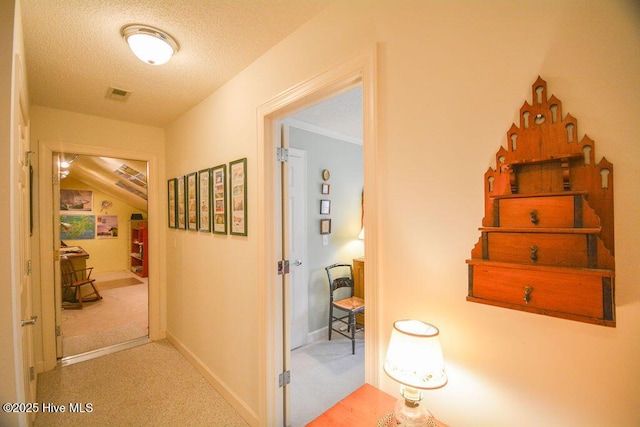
pixel 341 298
pixel 72 282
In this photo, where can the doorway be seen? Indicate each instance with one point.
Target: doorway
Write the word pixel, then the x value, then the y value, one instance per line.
pixel 272 237
pixel 316 362
pixel 101 206
pixel 50 267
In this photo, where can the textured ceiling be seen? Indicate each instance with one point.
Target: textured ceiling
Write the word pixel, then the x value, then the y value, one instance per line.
pixel 74 51
pixel 339 116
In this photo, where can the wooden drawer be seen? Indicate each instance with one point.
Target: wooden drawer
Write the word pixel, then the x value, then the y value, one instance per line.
pixel 555 291
pixel 550 212
pixel 566 250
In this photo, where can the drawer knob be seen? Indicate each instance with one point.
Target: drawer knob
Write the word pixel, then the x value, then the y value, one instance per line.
pixel 534 253
pixel 527 293
pixel 534 216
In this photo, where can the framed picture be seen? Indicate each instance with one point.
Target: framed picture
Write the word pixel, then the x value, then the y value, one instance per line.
pixel 76 200
pixel 325 207
pixel 192 201
pixel 77 227
pixel 325 226
pixel 325 188
pixel 180 196
pixel 107 226
pixel 172 204
pixel 204 200
pixel 238 202
pixel 219 175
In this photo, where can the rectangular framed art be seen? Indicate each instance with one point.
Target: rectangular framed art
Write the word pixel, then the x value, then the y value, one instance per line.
pixel 219 179
pixel 180 197
pixel 76 200
pixel 172 205
pixel 238 202
pixel 204 200
pixel 192 201
pixel 325 226
pixel 325 207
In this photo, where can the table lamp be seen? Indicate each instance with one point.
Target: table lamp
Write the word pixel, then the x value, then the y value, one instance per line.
pixel 414 359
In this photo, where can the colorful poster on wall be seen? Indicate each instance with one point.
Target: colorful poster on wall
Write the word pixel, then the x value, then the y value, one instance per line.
pixel 107 226
pixel 77 227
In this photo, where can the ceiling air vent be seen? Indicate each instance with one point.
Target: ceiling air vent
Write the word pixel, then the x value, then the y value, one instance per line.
pixel 118 94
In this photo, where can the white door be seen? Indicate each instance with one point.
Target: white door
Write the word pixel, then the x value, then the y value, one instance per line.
pixel 28 393
pixel 292 200
pixel 299 280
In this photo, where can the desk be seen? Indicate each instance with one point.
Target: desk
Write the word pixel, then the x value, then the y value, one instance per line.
pixel 78 258
pixel 76 255
pixel 362 408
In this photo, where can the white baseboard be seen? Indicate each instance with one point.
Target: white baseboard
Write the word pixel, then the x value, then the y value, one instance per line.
pixel 232 398
pixel 317 335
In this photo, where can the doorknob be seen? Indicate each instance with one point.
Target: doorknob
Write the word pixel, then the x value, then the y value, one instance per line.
pixel 31 321
pixel 297 263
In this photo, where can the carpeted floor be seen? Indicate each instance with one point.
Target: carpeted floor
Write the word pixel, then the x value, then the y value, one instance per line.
pixel 119 283
pixel 120 316
pixel 149 385
pixel 322 374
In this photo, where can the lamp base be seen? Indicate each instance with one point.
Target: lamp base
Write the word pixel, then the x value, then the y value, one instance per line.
pixel 389 420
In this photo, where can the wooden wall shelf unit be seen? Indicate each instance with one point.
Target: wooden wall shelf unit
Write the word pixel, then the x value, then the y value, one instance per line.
pixel 547 238
pixel 139 248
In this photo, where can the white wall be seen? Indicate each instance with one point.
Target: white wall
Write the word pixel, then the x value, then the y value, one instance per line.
pixel 452 77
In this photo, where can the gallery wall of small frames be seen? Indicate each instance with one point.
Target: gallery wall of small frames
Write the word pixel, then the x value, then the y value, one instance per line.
pixel 212 200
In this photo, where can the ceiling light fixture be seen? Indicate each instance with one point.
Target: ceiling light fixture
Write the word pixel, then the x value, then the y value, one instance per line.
pixel 150 44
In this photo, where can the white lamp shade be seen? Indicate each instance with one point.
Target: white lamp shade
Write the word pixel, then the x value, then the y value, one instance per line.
pixel 149 44
pixel 414 356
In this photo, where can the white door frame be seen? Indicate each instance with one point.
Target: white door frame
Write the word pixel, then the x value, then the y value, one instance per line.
pixel 361 70
pixel 47 277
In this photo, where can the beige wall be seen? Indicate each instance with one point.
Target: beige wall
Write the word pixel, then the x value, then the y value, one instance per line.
pixel 452 77
pixel 108 254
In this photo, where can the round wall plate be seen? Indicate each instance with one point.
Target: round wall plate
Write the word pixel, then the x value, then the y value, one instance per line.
pixel 326 174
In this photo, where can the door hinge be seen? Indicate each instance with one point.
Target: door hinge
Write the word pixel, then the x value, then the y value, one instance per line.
pixel 283 267
pixel 28 267
pixel 284 378
pixel 27 157
pixel 282 154
pixel 58 333
pixel 32 373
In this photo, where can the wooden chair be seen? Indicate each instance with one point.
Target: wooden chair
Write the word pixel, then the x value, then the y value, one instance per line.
pixel 72 283
pixel 341 298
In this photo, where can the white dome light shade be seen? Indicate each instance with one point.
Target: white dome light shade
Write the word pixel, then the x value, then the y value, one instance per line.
pixel 149 44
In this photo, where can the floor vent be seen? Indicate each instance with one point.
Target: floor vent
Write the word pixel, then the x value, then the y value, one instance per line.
pixel 118 94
